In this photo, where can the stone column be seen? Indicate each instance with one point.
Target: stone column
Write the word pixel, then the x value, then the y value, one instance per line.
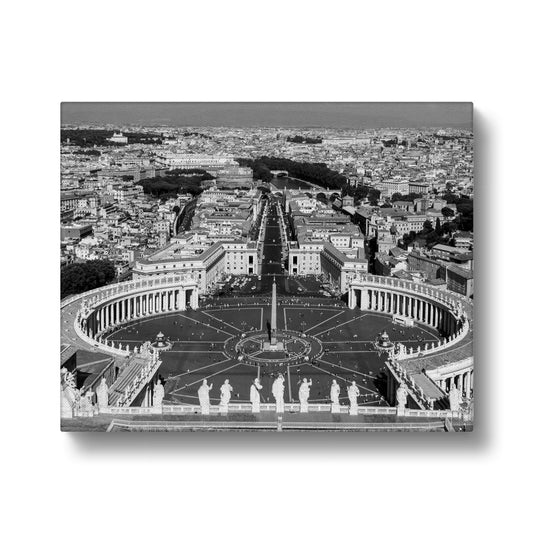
pixel 364 299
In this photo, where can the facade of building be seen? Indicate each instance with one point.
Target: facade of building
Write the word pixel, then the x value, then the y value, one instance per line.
pixel 203 262
pixel 460 280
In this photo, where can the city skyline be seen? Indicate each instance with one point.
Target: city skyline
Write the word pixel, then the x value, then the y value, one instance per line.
pixel 331 115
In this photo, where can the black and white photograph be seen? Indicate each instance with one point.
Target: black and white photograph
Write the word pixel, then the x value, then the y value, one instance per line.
pixel 267 266
pixel 244 289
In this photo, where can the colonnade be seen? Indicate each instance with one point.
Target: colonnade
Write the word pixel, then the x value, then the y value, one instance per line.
pixel 416 307
pixel 136 306
pixel 463 381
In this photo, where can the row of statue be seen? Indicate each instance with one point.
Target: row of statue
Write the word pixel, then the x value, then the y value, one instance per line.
pixel 278 391
pixel 75 402
pixel 454 397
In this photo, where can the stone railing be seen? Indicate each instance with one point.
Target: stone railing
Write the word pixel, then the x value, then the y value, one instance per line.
pixel 450 341
pixel 96 344
pixel 414 389
pixel 453 302
pixel 108 292
pixel 134 388
pixel 289 408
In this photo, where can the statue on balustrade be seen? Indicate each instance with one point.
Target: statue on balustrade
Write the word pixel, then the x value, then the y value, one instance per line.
pixel 334 392
pixel 455 398
pixel 278 389
pixel 102 394
pixel 303 394
pixel 159 394
pixel 255 395
pixel 203 396
pixel 353 393
pixel 86 403
pixel 401 396
pixel 70 395
pixel 225 393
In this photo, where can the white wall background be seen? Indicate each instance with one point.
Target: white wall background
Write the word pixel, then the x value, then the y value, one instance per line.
pixel 326 51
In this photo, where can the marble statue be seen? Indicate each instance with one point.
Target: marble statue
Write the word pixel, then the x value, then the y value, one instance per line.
pixel 203 396
pixel 353 393
pixel 225 395
pixel 86 404
pixel 303 394
pixel 159 394
pixel 102 394
pixel 454 397
pixel 278 389
pixel 334 394
pixel 255 396
pixel 401 398
pixel 70 395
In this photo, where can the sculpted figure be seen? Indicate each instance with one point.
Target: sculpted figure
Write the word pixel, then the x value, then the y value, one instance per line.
pixel 255 397
pixel 159 394
pixel 335 392
pixel 454 397
pixel 303 394
pixel 278 389
pixel 86 403
pixel 70 395
pixel 225 393
pixel 203 396
pixel 102 394
pixel 353 393
pixel 401 396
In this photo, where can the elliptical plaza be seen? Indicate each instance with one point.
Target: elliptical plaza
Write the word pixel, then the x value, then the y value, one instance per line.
pixel 405 347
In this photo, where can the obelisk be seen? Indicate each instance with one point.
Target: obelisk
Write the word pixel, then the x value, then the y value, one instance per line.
pixel 273 317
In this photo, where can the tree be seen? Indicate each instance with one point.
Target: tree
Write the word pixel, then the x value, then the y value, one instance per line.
pixel 428 226
pixel 81 277
pixel 438 229
pixel 447 212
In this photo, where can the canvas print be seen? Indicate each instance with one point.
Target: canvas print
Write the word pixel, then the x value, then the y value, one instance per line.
pixel 267 267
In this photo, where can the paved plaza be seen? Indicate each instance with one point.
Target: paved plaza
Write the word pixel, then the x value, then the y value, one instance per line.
pixel 199 341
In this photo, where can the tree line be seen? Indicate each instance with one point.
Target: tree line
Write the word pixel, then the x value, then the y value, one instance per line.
pixel 89 138
pixel 178 181
pixel 316 173
pixel 81 277
pixel 299 139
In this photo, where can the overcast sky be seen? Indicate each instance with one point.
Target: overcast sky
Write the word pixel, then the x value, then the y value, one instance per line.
pixel 332 115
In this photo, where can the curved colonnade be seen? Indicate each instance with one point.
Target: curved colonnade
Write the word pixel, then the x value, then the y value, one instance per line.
pixel 104 309
pixel 449 314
